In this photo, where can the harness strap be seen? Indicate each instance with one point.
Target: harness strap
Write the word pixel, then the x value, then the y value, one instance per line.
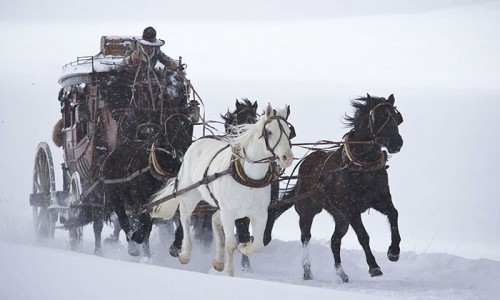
pixel 206 172
pixel 127 179
pixel 206 180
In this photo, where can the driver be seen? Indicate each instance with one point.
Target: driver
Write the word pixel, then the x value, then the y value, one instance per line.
pixel 147 51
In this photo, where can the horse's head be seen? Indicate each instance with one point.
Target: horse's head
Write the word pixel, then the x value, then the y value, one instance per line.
pixel 277 133
pixel 245 113
pixel 379 120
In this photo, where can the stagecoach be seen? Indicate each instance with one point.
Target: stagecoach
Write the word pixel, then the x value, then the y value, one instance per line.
pixel 96 98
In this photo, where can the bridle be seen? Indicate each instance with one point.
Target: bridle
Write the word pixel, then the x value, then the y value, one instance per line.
pixel 350 160
pixel 394 115
pixel 281 134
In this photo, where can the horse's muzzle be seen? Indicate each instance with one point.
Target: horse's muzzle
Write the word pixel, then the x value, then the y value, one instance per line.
pixel 395 145
pixel 286 160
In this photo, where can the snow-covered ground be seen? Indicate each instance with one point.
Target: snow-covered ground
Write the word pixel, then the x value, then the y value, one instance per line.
pixel 441 60
pixel 48 270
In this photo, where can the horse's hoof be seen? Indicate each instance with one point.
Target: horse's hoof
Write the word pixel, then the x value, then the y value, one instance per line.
pixel 393 254
pixel 133 250
pixel 344 278
pixel 98 252
pixel 137 237
pixel 393 257
pixel 174 250
pixel 111 240
pixel 375 272
pixel 146 260
pixel 245 264
pixel 245 248
pixel 340 272
pixel 218 266
pixel 184 260
pixel 307 271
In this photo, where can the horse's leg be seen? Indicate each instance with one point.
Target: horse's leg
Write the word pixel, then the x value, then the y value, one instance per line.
pixel 364 240
pixel 98 224
pixel 243 233
pixel 258 226
pixel 120 212
pixel 115 236
pixel 146 250
pixel 186 209
pixel 228 225
pixel 116 229
pixel 305 223
pixel 202 225
pixel 146 224
pixel 392 215
pixel 175 247
pixel 341 227
pixel 273 214
pixel 275 210
pixel 219 241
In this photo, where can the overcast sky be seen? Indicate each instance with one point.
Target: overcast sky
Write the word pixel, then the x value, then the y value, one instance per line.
pixel 219 10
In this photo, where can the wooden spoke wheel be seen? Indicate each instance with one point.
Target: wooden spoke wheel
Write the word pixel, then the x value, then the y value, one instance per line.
pixel 44 191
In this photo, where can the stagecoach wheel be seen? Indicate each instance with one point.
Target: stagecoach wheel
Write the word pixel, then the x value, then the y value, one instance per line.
pixel 75 229
pixel 44 193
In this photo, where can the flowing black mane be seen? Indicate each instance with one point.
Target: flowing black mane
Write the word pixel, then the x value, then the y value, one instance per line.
pixel 362 107
pixel 245 113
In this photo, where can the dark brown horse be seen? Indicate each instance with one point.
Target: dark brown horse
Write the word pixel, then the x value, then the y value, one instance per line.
pixel 156 132
pixel 348 181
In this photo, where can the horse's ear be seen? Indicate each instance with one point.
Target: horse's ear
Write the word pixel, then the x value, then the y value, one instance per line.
pixel 391 99
pixel 269 110
pixel 287 112
pixel 237 104
pixel 368 96
pixel 255 105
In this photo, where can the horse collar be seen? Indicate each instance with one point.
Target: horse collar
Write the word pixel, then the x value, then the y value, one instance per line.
pixel 238 174
pixel 352 163
pixel 153 161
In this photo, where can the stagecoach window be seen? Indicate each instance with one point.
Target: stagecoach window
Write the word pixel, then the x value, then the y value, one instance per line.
pixel 68 112
pixel 82 117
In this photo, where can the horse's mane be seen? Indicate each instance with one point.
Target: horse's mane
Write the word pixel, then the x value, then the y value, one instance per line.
pixel 229 117
pixel 362 107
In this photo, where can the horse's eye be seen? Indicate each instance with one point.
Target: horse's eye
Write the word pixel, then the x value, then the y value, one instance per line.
pixel 269 132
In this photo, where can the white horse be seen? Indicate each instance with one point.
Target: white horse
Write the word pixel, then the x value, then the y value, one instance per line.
pixel 242 190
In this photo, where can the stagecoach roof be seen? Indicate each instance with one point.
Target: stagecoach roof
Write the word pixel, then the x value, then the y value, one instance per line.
pixel 86 65
pixel 110 57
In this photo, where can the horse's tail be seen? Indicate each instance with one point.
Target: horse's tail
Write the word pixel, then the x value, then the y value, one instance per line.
pixel 275 210
pixel 167 209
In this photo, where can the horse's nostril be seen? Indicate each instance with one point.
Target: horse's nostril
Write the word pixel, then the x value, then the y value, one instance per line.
pixel 284 158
